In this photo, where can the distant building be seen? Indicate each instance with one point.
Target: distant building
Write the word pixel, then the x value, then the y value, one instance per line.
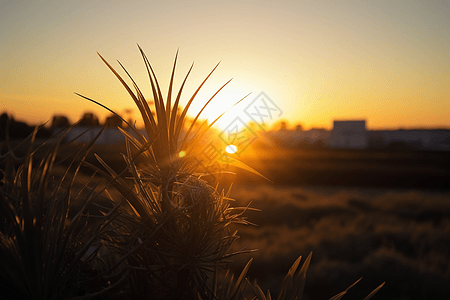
pixel 349 134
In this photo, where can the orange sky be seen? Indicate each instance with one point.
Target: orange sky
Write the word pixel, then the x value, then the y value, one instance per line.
pixel 388 63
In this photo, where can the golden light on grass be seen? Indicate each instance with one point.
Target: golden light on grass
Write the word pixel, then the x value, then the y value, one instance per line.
pixel 182 154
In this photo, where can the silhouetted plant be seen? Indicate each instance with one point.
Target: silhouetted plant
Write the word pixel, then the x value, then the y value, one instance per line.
pixel 169 196
pixel 45 246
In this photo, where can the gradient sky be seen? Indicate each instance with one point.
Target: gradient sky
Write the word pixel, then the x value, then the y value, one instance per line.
pixel 384 61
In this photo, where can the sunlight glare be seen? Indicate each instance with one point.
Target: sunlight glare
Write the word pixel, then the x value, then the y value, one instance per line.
pixel 223 103
pixel 231 149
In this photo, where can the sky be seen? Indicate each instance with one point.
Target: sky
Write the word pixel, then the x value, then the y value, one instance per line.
pixel 387 62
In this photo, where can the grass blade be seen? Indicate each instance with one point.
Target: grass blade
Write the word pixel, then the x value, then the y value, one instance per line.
pixel 374 291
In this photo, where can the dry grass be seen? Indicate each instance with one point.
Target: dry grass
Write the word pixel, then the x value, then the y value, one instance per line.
pixel 401 237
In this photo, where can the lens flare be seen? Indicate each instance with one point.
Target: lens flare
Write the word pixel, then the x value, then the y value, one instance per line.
pixel 231 149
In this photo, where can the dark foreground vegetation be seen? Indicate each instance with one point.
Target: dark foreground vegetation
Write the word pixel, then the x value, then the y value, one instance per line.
pixel 398 234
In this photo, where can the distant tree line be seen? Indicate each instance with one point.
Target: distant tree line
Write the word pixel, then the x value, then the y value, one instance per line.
pixel 19 129
pixel 89 119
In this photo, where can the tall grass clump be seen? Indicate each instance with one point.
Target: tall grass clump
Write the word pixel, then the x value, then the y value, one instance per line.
pixel 179 221
pixel 47 240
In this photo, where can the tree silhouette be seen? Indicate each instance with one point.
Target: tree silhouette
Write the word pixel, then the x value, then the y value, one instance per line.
pixel 113 121
pixel 89 120
pixel 60 121
pixel 18 130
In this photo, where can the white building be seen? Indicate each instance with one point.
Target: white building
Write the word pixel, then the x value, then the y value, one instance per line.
pixel 349 134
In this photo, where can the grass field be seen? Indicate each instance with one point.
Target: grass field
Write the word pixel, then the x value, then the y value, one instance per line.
pixel 383 216
pixel 367 168
pixel 398 236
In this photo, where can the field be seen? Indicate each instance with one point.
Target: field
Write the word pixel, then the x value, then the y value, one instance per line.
pixel 383 216
pixel 361 168
pixel 401 237
pixel 380 215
